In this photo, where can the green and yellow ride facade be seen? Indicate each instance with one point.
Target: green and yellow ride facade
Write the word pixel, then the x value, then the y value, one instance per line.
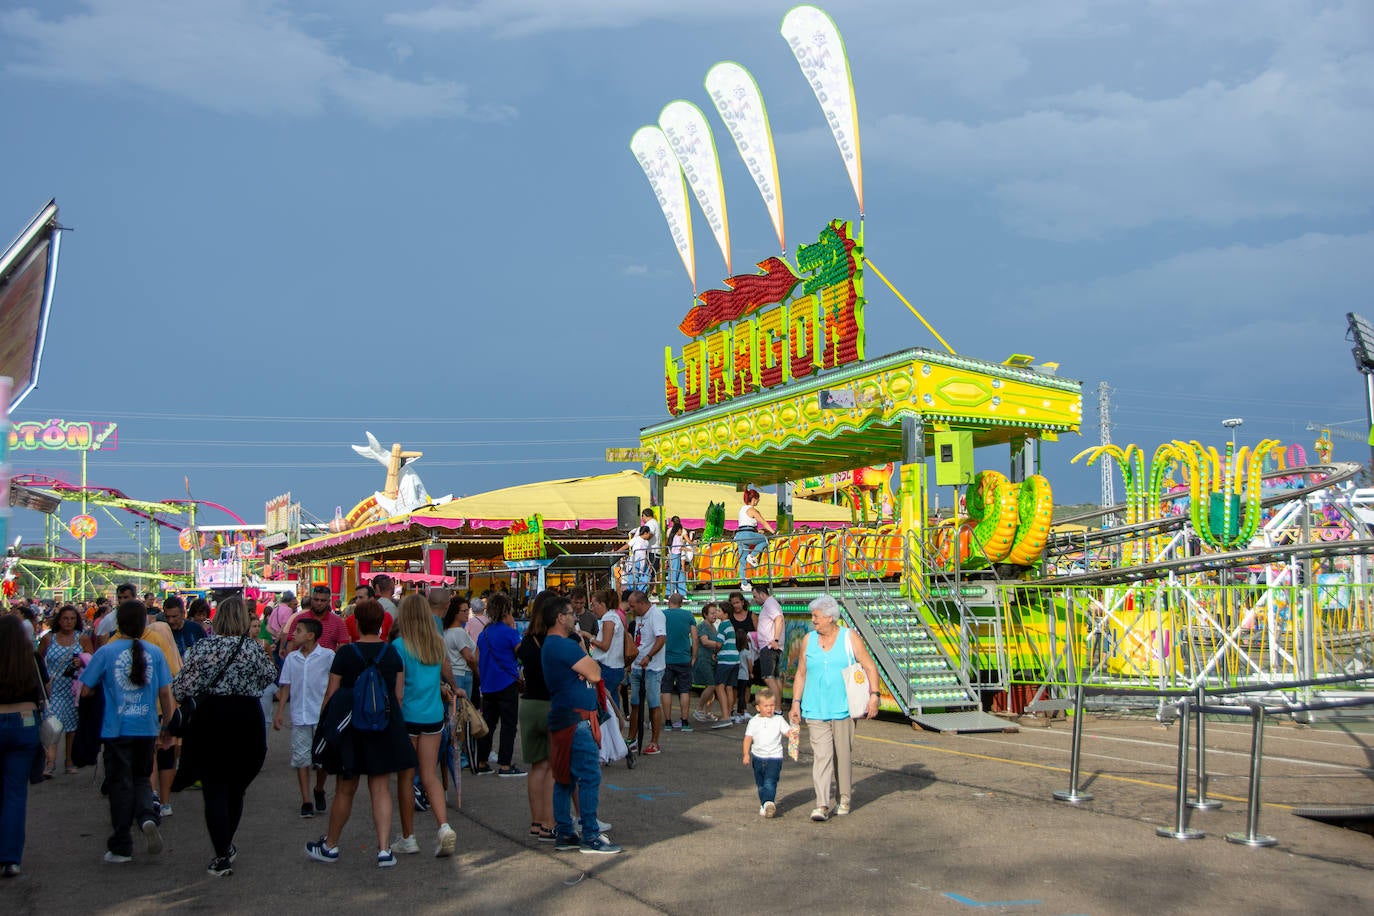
pixel 771 393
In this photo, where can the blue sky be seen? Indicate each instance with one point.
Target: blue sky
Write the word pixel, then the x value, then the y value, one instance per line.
pixel 298 220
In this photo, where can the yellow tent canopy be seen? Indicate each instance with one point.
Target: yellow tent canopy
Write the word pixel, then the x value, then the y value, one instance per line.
pixel 589 503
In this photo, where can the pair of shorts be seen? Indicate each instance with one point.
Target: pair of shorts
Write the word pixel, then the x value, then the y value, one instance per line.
pixel 534 730
pixel 302 743
pixel 678 679
pixel 653 684
pixel 727 674
pixel 769 663
pixel 612 678
pixel 415 729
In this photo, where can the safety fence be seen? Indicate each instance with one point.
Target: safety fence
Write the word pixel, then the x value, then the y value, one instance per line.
pixel 1193 707
pixel 1170 634
pixel 1217 629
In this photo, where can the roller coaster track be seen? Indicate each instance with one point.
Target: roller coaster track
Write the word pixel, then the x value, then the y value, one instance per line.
pixel 1334 473
pixel 1212 562
pixel 109 496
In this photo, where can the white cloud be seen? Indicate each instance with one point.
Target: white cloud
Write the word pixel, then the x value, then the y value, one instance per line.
pixel 635 270
pixel 1287 139
pixel 1235 283
pixel 235 56
pixel 1214 312
pixel 520 18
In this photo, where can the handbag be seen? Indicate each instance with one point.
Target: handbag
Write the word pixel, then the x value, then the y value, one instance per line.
pixel 179 726
pixel 856 686
pixel 50 729
pixel 468 715
pixel 613 745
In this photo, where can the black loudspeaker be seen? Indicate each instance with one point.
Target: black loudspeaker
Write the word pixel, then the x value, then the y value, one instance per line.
pixel 627 512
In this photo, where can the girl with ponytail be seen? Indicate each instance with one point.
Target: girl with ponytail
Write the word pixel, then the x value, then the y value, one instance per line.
pixel 135 679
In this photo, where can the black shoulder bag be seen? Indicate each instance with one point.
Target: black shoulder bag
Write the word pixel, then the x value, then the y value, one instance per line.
pixel 179 726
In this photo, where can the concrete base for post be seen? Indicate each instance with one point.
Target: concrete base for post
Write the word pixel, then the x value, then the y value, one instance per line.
pixel 1204 804
pixel 1246 839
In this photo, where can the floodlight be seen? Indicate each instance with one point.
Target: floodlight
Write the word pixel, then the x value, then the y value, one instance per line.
pixel 1362 333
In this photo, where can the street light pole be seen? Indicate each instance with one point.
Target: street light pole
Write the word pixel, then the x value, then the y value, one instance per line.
pixel 1231 424
pixel 1227 471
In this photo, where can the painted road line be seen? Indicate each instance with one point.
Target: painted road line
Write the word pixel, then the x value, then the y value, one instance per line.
pixel 968 902
pixel 1169 787
pixel 1211 750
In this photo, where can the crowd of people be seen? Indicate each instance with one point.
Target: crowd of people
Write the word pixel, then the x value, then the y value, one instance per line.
pixel 171 697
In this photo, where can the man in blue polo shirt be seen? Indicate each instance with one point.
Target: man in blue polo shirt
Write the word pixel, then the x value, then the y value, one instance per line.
pixel 574 727
pixel 500 694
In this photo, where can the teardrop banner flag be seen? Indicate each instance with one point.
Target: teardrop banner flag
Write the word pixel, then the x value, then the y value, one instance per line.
pixel 740 104
pixel 690 138
pixel 665 177
pixel 817 45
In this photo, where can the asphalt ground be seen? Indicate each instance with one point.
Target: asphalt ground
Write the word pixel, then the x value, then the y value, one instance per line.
pixel 941 824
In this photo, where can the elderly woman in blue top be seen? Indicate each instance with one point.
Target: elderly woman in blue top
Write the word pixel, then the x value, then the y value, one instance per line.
pixel 818 695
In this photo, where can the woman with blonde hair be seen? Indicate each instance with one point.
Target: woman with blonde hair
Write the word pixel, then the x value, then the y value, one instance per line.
pixel 427 674
pixel 225 747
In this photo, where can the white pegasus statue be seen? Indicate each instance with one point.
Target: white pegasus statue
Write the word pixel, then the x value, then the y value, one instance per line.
pixel 404 491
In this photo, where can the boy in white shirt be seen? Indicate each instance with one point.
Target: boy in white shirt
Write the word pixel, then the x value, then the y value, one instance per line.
pixel 307 671
pixel 639 559
pixel 763 743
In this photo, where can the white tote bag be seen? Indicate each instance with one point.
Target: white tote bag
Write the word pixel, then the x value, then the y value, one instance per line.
pixel 612 742
pixel 856 685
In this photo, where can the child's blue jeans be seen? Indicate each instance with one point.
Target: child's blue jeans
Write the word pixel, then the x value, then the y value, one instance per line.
pixel 766 773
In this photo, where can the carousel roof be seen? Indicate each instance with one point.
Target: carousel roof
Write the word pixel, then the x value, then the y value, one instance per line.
pixel 570 505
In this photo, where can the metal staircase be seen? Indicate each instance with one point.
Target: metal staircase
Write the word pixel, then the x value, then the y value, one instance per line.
pixel 913 663
pixel 902 636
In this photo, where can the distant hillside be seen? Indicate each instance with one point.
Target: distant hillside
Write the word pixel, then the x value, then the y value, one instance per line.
pixel 1070 510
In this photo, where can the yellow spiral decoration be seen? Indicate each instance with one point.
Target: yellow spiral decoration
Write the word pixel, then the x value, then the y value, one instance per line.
pixel 1035 512
pixel 992 506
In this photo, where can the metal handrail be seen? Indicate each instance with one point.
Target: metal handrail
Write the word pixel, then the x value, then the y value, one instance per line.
pixel 1194 702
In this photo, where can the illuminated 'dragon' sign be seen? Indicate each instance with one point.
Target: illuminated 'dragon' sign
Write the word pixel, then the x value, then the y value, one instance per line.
pixel 758 333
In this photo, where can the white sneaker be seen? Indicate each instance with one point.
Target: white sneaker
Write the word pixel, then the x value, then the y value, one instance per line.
pixel 153 837
pixel 770 809
pixel 448 842
pixel 751 560
pixel 819 814
pixel 406 844
pixel 843 807
pixel 602 826
pixel 763 810
pixel 744 585
pixel 165 810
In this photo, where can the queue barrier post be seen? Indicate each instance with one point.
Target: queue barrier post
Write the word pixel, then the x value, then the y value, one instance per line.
pixel 1180 830
pixel 1201 802
pixel 1252 836
pixel 1074 795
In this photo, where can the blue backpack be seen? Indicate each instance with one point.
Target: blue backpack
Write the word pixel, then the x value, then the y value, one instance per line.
pixel 371 699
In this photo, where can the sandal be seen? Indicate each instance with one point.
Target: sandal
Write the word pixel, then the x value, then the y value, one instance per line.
pixel 543 834
pixel 71 770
